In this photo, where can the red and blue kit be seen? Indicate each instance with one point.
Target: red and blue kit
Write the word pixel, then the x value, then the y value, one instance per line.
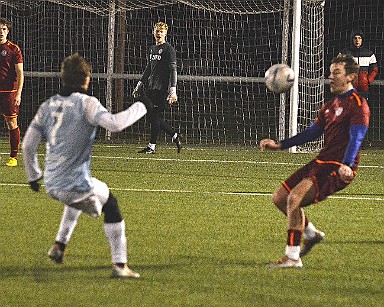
pixel 10 54
pixel 336 118
pixel 339 119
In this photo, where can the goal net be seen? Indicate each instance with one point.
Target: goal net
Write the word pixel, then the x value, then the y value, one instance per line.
pixel 223 49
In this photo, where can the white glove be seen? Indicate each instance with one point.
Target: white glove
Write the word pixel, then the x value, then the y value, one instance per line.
pixel 138 90
pixel 172 97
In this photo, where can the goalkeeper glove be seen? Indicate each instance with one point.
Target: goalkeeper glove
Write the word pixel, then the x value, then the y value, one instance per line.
pixel 138 90
pixel 35 185
pixel 172 97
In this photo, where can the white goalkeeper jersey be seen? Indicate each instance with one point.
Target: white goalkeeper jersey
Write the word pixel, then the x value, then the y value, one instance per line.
pixel 68 125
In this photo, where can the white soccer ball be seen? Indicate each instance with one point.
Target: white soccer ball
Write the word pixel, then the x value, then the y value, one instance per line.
pixel 279 78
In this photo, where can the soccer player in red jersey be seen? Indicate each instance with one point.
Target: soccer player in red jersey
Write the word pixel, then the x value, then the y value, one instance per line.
pixel 11 85
pixel 344 122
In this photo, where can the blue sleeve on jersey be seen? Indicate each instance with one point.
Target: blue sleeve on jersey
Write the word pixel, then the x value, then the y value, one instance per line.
pixel 356 136
pixel 307 135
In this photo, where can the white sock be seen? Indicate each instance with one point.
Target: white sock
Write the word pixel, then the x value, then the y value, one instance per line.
pixel 67 224
pixel 152 146
pixel 292 252
pixel 310 231
pixel 115 233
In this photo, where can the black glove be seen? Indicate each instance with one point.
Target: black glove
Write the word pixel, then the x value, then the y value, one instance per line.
pixel 138 91
pixel 35 185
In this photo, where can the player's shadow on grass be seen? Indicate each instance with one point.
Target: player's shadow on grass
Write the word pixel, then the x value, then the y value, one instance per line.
pixel 41 273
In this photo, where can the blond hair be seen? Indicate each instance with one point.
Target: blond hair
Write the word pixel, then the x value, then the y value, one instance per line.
pixel 161 26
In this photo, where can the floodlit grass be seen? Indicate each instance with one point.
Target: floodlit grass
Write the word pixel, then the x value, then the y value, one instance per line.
pixel 201 229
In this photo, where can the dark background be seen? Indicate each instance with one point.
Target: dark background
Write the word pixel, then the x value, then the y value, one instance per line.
pixel 207 43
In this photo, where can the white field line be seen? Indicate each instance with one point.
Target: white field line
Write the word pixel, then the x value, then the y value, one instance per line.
pixel 351 197
pixel 207 160
pixel 215 161
pixel 213 192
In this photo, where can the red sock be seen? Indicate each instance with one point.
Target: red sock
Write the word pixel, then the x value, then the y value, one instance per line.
pixel 14 141
pixel 294 237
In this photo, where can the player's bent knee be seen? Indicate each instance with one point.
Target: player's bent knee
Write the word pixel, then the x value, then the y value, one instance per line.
pixel 111 210
pixel 276 199
pixel 293 201
pixel 279 197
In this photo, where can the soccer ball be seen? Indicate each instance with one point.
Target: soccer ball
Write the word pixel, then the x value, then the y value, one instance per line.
pixel 279 78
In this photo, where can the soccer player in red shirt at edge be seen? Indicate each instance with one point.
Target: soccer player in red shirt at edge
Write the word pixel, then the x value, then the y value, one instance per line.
pixel 11 85
pixel 344 122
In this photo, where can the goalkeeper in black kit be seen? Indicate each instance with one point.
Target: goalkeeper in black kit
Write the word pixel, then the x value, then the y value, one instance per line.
pixel 157 87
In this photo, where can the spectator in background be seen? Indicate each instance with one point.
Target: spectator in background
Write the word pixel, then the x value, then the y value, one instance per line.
pixel 367 61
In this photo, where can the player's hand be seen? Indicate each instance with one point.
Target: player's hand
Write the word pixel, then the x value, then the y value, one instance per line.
pixel 35 185
pixel 346 173
pixel 138 90
pixel 17 100
pixel 172 97
pixel 269 144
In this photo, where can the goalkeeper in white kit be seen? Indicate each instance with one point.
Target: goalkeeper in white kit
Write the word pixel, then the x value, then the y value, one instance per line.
pixel 67 122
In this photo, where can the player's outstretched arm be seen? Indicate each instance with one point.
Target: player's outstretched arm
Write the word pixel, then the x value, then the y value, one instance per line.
pixel 269 144
pixel 97 115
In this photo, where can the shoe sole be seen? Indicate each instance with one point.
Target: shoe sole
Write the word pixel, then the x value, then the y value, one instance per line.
pixel 131 274
pixel 147 152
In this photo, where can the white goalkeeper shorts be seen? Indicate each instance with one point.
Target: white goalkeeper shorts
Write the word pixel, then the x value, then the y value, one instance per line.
pixel 90 202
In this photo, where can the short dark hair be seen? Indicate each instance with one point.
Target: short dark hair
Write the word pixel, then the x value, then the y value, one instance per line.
pixel 6 22
pixel 351 66
pixel 74 70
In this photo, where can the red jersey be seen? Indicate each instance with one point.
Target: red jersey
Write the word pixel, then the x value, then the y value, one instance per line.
pixel 10 54
pixel 336 118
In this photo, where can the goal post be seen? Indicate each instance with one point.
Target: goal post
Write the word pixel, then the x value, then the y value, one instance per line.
pixel 307 95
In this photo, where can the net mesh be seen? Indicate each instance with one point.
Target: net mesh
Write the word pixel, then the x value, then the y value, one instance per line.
pixel 223 49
